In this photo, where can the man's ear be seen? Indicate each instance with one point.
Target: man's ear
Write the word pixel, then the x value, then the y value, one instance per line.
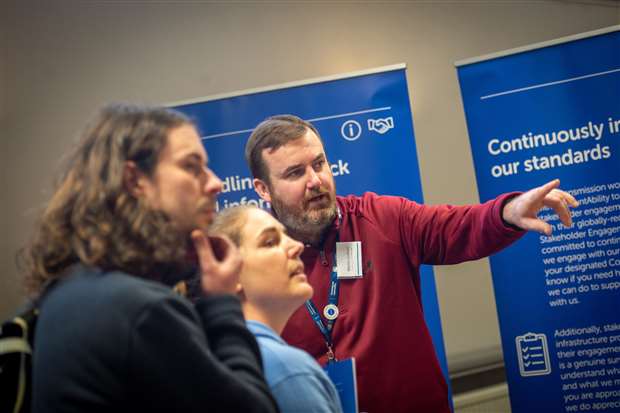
pixel 262 189
pixel 134 179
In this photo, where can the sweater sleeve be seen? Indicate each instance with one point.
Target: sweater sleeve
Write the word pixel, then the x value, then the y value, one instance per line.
pixel 187 365
pixel 446 234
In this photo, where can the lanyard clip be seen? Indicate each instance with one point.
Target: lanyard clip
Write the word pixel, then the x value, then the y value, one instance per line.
pixel 331 357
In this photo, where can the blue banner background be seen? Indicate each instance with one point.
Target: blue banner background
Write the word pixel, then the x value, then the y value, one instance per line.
pixel 382 160
pixel 563 87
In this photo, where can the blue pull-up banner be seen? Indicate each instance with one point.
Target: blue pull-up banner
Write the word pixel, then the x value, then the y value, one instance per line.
pixel 366 125
pixel 534 114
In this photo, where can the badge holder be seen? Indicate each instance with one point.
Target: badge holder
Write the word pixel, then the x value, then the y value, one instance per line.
pixel 342 374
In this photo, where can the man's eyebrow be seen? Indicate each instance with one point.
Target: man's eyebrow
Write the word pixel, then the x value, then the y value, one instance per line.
pixel 291 168
pixel 319 157
pixel 194 156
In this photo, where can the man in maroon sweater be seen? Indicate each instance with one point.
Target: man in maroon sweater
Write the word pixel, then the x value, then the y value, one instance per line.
pixel 379 320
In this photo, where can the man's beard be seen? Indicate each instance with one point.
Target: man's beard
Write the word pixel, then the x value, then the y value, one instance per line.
pixel 184 264
pixel 196 220
pixel 161 250
pixel 306 224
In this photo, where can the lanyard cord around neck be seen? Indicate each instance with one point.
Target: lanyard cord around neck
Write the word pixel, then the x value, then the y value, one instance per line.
pixel 330 311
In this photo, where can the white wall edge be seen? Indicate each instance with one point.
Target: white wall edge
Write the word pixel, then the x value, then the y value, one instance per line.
pixel 287 85
pixel 540 45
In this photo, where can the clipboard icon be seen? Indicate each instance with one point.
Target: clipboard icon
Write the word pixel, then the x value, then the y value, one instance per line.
pixel 533 354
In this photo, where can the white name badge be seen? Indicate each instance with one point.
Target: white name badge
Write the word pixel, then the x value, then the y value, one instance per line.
pixel 349 259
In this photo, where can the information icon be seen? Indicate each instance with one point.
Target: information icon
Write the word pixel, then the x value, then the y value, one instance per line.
pixel 533 354
pixel 351 130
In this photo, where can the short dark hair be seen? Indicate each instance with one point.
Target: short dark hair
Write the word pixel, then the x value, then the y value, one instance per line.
pixel 273 133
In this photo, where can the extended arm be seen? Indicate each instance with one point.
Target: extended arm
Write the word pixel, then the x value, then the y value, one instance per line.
pixel 446 234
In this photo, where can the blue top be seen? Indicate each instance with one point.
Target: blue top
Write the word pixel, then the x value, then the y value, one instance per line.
pixel 296 380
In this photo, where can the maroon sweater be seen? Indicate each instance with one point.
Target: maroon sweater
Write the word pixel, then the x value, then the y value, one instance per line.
pixel 381 322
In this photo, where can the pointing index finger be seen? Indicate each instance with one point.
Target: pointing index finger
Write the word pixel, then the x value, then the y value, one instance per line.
pixel 548 187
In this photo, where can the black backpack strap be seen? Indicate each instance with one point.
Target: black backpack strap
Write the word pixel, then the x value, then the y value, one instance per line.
pixel 16 350
pixel 16 355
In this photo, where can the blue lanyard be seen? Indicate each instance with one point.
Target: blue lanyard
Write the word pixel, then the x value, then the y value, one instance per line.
pixel 332 307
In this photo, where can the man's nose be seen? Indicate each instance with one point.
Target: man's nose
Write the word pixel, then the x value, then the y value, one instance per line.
pixel 313 180
pixel 213 184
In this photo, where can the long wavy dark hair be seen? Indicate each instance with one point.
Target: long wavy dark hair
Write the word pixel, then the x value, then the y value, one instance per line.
pixel 93 219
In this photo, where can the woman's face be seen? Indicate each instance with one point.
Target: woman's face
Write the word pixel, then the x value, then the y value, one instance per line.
pixel 272 276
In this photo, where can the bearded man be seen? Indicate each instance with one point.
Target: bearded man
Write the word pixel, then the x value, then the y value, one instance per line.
pixel 376 316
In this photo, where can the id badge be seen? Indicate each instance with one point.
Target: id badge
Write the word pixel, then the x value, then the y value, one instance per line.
pixel 342 374
pixel 349 259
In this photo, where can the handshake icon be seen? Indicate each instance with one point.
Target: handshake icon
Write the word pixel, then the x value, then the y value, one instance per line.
pixel 381 125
